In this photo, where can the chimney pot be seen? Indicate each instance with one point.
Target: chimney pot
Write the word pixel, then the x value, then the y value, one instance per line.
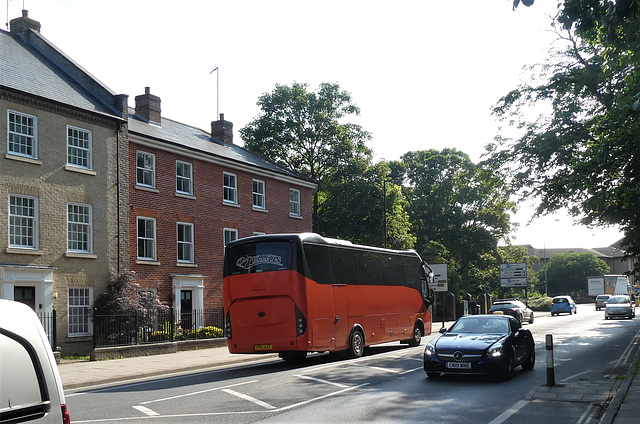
pixel 148 107
pixel 23 24
pixel 222 130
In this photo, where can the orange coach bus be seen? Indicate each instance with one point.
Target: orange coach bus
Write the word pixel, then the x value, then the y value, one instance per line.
pixel 299 293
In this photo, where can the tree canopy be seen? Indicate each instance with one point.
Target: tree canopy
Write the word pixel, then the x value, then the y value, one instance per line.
pixel 567 273
pixel 458 210
pixel 574 124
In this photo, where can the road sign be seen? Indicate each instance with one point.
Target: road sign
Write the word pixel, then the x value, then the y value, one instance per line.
pixel 513 270
pixel 513 282
pixel 513 275
pixel 439 278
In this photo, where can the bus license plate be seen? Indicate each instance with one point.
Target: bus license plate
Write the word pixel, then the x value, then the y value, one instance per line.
pixel 459 365
pixel 263 347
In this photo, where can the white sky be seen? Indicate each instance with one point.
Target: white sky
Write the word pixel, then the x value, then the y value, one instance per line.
pixel 424 73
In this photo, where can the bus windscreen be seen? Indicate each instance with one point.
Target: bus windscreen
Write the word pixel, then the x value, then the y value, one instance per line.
pixel 257 257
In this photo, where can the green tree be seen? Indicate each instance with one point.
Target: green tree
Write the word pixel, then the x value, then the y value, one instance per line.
pixel 567 272
pixel 354 206
pixel 306 131
pixel 458 211
pixel 575 122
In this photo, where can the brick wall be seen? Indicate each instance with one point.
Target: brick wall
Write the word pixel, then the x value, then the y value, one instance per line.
pixel 209 216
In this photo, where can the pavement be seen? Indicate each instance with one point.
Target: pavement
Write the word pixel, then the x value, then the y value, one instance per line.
pixel 617 398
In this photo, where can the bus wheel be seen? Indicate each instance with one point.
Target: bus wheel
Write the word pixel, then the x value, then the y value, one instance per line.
pixel 293 356
pixel 417 336
pixel 356 344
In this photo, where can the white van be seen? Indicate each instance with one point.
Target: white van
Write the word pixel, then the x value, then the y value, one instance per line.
pixel 30 386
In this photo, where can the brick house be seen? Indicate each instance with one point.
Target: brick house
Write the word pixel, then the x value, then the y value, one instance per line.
pixel 85 194
pixel 64 138
pixel 193 191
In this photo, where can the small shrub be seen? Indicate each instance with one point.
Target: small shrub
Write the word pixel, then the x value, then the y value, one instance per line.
pixel 540 303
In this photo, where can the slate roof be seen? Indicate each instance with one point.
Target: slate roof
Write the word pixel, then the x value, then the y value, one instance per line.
pixel 41 70
pixel 197 140
pixel 612 251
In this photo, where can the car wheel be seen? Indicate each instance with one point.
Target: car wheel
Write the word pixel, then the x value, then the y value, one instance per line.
pixel 509 368
pixel 531 360
pixel 433 374
pixel 531 319
pixel 356 344
pixel 417 336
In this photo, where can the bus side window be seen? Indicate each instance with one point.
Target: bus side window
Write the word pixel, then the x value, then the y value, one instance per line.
pixel 345 266
pixel 370 267
pixel 392 270
pixel 319 262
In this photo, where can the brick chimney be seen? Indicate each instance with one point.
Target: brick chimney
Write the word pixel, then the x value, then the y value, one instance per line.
pixel 24 24
pixel 148 107
pixel 222 130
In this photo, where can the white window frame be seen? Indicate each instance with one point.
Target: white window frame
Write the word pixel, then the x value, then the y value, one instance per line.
pixel 146 170
pixel 146 238
pixel 230 191
pixel 73 145
pixel 27 138
pixel 26 223
pixel 77 228
pixel 259 197
pixel 185 179
pixel 185 244
pixel 294 204
pixel 79 304
pixel 229 235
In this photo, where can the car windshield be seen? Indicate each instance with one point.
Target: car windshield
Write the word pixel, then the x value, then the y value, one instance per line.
pixel 618 300
pixel 481 325
pixel 560 300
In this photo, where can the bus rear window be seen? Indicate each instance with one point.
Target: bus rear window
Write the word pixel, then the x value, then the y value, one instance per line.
pixel 250 258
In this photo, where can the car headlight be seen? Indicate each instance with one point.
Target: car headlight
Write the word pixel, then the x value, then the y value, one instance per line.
pixel 495 350
pixel 430 349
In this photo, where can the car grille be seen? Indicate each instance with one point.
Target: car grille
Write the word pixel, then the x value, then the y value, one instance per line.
pixel 470 355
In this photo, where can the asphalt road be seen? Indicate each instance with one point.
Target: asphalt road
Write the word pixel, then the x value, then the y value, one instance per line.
pixel 388 384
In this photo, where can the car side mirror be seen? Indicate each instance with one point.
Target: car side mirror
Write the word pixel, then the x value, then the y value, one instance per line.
pixel 443 330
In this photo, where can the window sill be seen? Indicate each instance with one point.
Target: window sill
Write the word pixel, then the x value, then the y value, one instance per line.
pixel 233 205
pixel 147 262
pixel 81 255
pixel 18 251
pixel 185 195
pixel 257 209
pixel 23 159
pixel 79 338
pixel 295 216
pixel 149 189
pixel 80 170
pixel 187 264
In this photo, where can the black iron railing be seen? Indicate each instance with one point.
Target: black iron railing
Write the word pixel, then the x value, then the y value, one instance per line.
pixel 48 320
pixel 158 327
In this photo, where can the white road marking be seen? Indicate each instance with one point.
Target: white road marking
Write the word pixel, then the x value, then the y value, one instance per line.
pixel 197 393
pixel 249 398
pixel 408 371
pixel 509 412
pixel 319 380
pixel 145 410
pixel 574 376
pixel 586 416
pixel 391 370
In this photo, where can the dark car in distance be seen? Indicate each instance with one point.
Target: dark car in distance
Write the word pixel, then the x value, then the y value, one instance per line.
pixel 512 307
pixel 481 344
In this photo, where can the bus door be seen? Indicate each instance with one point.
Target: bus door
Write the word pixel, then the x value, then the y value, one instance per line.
pixel 342 314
